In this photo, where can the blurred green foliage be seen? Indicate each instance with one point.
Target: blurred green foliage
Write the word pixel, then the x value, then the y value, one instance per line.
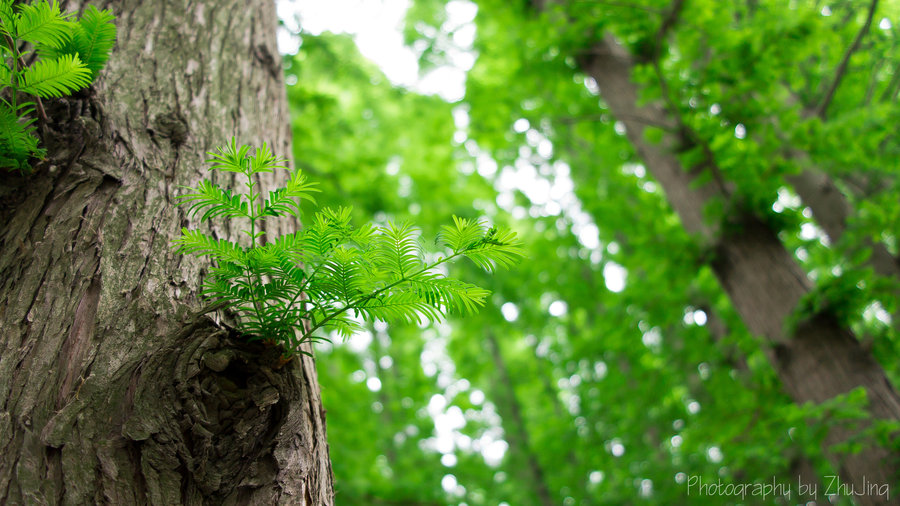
pixel 610 368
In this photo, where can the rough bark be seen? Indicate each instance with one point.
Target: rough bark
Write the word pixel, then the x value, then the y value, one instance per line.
pixel 112 389
pixel 820 359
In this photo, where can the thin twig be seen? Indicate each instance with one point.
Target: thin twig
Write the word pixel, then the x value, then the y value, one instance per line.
pixel 822 109
pixel 569 120
pixel 891 91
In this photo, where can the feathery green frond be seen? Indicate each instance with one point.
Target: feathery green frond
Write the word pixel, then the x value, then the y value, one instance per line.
pixel 498 248
pixel 451 293
pixel 198 243
pixel 71 54
pixel 215 201
pixel 398 250
pixel 43 23
pixel 17 142
pixel 330 273
pixel 462 234
pixel 230 158
pixel 287 200
pixel 94 37
pixel 55 78
pixel 7 18
pixel 265 161
pixel 402 307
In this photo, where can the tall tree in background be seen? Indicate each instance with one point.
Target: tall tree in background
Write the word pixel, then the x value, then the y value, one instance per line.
pixel 818 359
pixel 114 389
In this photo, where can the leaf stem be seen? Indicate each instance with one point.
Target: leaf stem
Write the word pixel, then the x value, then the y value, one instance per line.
pixel 357 303
pixel 249 271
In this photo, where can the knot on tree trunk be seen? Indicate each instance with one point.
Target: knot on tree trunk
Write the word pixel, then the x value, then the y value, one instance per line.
pixel 206 420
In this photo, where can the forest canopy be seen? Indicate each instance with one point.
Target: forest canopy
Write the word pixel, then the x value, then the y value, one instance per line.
pixel 663 162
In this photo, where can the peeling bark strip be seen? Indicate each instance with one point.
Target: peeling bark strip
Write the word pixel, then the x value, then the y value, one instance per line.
pixel 820 360
pixel 111 392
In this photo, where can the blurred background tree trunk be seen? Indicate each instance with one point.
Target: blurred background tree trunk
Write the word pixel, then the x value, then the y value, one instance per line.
pixel 818 360
pixel 113 389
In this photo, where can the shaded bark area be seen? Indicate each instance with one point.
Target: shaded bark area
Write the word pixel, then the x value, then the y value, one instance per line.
pixel 821 359
pixel 112 388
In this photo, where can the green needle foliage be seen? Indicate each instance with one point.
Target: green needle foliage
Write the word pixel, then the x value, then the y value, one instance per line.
pixel 330 273
pixel 71 54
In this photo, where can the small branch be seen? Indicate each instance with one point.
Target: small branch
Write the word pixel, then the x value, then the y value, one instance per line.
pixel 570 120
pixel 667 23
pixel 357 303
pixel 20 64
pixel 870 90
pixel 626 5
pixel 891 91
pixel 822 109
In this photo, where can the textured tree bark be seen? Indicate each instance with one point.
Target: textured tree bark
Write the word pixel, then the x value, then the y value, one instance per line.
pixel 113 389
pixel 820 359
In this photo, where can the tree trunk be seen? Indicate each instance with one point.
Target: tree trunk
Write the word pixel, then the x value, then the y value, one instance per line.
pixel 832 211
pixel 113 389
pixel 514 425
pixel 820 359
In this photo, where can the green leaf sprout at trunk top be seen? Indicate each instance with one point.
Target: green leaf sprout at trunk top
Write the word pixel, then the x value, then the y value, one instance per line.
pixel 72 53
pixel 347 273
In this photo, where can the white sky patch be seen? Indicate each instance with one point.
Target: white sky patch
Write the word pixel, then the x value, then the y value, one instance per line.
pixel 360 341
pixel 449 419
pixel 448 483
pixel 494 451
pixel 700 317
pixel 614 276
pixel 693 407
pixel 646 488
pixel 448 460
pixel 510 312
pixel 694 317
pixel 652 338
pixel 377 28
pixel 786 200
pixel 875 311
pixel 558 308
pixel 600 370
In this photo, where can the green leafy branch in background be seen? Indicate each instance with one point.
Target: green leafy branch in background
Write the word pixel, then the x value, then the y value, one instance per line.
pixel 71 54
pixel 347 273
